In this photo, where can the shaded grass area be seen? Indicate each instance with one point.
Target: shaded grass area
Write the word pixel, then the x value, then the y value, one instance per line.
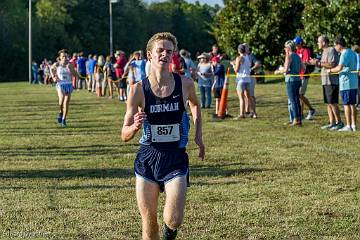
pixel 261 179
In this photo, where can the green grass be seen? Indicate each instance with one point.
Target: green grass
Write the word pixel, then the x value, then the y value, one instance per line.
pixel 260 180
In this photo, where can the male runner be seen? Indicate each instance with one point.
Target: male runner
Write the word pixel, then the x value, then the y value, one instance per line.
pixel 158 104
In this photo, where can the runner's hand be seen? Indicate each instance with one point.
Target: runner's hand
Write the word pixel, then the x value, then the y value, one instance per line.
pixel 139 119
pixel 201 145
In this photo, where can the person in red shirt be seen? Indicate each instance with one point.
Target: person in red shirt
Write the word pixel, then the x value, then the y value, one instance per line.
pixel 215 53
pixel 305 56
pixel 119 71
pixel 177 64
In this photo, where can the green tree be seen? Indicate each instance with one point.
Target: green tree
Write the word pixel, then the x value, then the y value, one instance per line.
pixel 332 18
pixel 264 24
pixel 13 44
pixel 49 31
pixel 190 23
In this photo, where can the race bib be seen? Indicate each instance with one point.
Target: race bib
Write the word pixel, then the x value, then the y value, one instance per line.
pixel 165 133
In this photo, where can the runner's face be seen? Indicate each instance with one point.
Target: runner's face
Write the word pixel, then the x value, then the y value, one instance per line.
pixel 63 58
pixel 161 54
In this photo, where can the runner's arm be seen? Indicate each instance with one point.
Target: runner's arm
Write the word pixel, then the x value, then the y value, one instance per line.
pixel 196 114
pixel 134 118
pixel 53 72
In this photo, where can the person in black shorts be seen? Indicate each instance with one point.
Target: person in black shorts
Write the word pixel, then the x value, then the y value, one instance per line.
pixel 330 83
pixel 157 103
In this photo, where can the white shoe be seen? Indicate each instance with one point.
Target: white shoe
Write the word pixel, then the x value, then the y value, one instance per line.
pixel 345 129
pixel 311 114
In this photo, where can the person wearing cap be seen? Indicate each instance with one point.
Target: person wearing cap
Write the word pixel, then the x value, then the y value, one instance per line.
pixel 330 83
pixel 219 79
pixel 204 75
pixel 242 68
pixel 348 82
pixel 292 67
pixel 305 55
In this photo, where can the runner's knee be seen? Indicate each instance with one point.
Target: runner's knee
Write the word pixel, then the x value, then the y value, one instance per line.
pixel 174 221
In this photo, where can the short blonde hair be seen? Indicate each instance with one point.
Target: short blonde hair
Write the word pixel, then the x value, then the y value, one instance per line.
pixel 291 45
pixel 161 36
pixel 101 61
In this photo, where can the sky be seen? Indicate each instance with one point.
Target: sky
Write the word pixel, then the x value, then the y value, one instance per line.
pixel 209 2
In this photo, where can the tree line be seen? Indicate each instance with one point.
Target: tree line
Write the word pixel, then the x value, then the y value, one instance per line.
pixel 267 24
pixel 82 25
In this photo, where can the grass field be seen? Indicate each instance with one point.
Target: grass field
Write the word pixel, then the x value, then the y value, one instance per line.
pixel 260 179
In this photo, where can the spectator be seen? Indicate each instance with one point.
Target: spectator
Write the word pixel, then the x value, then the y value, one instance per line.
pixel 219 79
pixel 305 55
pixel 204 75
pixel 190 67
pixel 34 71
pixel 348 82
pixel 242 67
pixel 330 83
pixel 291 69
pixel 81 70
pixel 110 76
pixel 356 49
pixel 119 69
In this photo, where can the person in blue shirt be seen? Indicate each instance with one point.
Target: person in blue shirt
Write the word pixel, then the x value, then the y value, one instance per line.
pixel 348 82
pixel 87 66
pixel 219 79
pixel 92 64
pixel 81 69
pixel 137 65
pixel 34 71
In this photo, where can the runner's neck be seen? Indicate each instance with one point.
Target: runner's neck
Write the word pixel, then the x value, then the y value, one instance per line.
pixel 160 78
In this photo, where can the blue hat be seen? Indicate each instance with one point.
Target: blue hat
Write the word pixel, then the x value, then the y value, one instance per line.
pixel 298 40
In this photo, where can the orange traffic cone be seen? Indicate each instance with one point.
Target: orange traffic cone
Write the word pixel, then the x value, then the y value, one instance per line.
pixel 224 96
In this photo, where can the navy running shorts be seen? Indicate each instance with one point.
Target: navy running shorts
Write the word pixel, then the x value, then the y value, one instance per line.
pixel 161 166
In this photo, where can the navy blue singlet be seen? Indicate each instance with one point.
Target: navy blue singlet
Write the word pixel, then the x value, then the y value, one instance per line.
pixel 167 123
